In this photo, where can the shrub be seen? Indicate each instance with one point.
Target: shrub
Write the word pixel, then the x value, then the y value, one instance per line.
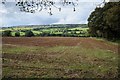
pixel 7 33
pixel 29 33
pixel 17 34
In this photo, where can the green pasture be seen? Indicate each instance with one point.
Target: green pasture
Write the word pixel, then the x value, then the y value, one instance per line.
pixel 77 31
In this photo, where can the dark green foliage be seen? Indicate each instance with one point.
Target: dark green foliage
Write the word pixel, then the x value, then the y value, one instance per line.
pixel 45 34
pixel 72 30
pixel 7 33
pixel 23 30
pixel 104 22
pixel 29 33
pixel 17 34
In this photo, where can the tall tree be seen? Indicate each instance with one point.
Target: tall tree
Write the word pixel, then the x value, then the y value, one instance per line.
pixel 104 21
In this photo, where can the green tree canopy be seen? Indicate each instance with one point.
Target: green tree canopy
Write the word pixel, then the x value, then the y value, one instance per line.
pixel 29 33
pixel 7 33
pixel 17 34
pixel 104 21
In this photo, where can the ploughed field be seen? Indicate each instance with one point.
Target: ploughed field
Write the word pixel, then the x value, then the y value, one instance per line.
pixel 56 57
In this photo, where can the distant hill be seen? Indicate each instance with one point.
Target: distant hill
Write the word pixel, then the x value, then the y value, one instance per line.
pixel 53 25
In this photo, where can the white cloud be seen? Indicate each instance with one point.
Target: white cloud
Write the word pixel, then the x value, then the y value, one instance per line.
pixel 80 16
pixel 12 16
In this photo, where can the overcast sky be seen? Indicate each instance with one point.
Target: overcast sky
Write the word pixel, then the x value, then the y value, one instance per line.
pixel 11 16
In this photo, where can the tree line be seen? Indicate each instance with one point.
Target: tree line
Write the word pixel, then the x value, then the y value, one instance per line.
pixel 61 32
pixel 104 21
pixel 8 33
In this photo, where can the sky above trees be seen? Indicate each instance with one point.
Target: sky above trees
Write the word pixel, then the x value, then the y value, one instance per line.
pixel 11 16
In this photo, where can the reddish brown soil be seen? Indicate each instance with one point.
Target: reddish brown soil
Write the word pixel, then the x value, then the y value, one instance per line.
pixel 17 63
pixel 60 41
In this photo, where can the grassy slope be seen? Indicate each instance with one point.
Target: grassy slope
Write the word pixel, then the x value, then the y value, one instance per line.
pixel 58 61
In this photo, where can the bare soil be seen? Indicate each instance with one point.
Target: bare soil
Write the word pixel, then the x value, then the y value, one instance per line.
pixel 60 41
pixel 54 61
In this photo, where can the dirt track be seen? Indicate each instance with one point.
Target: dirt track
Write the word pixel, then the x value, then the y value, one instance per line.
pixel 59 41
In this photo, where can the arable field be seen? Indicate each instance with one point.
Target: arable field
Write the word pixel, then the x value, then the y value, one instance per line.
pixel 56 57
